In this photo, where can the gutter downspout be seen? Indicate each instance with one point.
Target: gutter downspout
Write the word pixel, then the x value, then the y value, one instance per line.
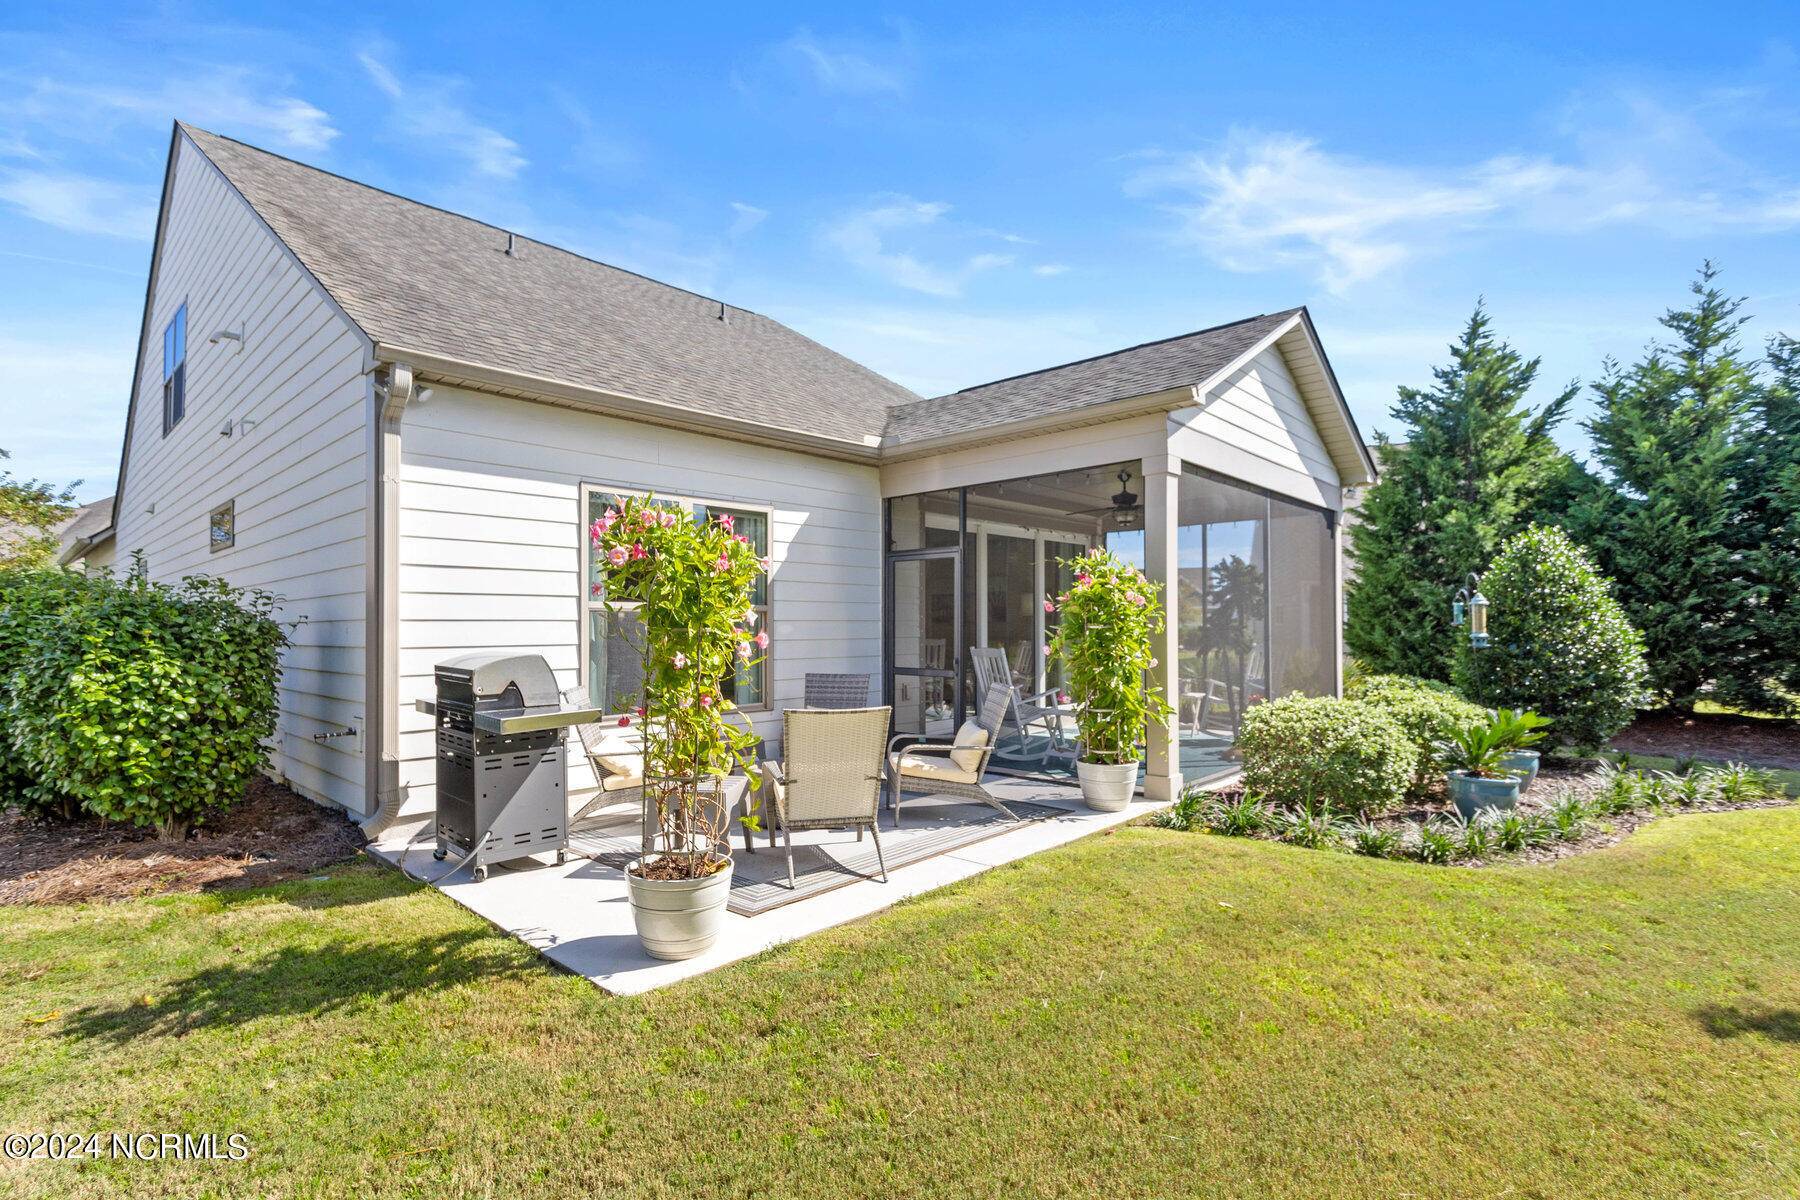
pixel 381 625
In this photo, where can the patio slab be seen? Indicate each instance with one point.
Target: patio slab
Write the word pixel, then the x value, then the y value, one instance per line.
pixel 577 914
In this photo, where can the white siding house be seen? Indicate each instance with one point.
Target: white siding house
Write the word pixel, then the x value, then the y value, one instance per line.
pixel 293 389
pixel 407 412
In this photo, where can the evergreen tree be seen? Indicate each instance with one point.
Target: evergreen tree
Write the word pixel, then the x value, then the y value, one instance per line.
pixel 1471 473
pixel 1664 444
pixel 1765 676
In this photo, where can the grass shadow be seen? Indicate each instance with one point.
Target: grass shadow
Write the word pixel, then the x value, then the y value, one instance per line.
pixel 1734 1020
pixel 307 981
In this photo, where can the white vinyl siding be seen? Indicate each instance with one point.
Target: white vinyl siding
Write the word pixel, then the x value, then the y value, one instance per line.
pixel 1255 426
pixel 295 465
pixel 491 545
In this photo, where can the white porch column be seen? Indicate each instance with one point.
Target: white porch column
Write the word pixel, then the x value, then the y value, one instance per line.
pixel 1162 522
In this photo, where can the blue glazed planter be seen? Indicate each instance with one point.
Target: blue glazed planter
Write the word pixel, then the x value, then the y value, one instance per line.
pixel 1472 793
pixel 1525 762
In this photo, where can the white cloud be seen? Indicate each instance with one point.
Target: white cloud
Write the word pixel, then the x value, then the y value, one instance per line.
pixel 746 217
pixel 1050 270
pixel 854 70
pixel 428 112
pixel 865 238
pixel 232 100
pixel 80 203
pixel 1262 201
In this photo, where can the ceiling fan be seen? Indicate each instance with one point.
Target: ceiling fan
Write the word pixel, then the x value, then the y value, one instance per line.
pixel 1124 510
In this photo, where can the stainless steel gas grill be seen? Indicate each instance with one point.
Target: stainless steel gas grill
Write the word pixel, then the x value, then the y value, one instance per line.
pixel 501 779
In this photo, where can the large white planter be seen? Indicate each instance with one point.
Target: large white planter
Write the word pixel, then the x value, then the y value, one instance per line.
pixel 677 918
pixel 1107 787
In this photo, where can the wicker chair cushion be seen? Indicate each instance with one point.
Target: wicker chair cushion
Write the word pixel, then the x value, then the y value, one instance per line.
pixel 932 766
pixel 971 739
pixel 618 751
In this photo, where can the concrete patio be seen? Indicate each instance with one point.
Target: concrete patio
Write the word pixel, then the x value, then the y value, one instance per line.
pixel 577 915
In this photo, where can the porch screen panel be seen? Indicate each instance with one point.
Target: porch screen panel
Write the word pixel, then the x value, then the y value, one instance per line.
pixel 1222 604
pixel 1302 607
pixel 749 687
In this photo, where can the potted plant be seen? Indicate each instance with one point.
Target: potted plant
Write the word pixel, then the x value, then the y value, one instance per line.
pixel 1474 755
pixel 1520 731
pixel 1105 625
pixel 690 581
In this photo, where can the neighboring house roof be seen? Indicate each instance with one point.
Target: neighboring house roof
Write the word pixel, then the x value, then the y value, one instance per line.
pixel 1186 360
pixel 80 530
pixel 419 278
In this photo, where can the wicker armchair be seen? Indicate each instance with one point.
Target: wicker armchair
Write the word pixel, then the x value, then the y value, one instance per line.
pixel 929 769
pixel 831 690
pixel 830 776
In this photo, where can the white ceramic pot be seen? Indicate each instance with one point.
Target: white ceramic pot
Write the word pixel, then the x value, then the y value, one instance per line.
pixel 677 918
pixel 1107 787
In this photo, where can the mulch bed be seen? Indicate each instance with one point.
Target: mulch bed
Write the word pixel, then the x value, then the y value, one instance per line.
pixel 1719 737
pixel 1558 776
pixel 271 836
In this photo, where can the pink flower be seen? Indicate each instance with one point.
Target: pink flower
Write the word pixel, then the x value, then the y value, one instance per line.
pixel 765 564
pixel 742 539
pixel 722 565
pixel 638 551
pixel 725 521
pixel 1046 649
pixel 641 710
pixel 1062 697
pixel 706 701
pixel 616 556
pixel 1049 605
pixel 668 519
pixel 762 639
pixel 624 721
pixel 680 660
pixel 749 616
pixel 1153 664
pixel 1083 580
pixel 594 589
pixel 744 649
pixel 1135 598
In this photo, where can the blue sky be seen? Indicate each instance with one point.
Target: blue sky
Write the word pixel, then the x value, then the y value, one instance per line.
pixel 948 195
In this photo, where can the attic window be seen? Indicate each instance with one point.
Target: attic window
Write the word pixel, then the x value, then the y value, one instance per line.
pixel 175 370
pixel 221 527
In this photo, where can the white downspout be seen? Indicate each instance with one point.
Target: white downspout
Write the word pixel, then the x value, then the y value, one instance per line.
pixel 381 628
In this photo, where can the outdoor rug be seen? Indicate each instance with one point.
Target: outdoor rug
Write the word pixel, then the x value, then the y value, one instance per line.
pixel 830 859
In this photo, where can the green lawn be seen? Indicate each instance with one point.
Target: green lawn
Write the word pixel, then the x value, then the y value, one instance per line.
pixel 1140 1014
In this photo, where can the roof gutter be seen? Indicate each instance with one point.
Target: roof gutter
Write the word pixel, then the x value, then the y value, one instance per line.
pixel 452 371
pixel 1168 400
pixel 79 547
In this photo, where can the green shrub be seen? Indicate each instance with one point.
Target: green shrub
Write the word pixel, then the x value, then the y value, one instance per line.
pixel 1344 753
pixel 1376 841
pixel 27 598
pixel 1736 783
pixel 1560 643
pixel 1246 816
pixel 148 703
pixel 1429 712
pixel 1438 841
pixel 1187 812
pixel 1311 824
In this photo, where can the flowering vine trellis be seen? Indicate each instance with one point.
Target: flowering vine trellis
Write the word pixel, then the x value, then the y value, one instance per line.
pixel 1107 620
pixel 690 581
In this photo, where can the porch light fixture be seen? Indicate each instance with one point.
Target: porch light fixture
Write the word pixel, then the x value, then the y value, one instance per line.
pixel 1470 605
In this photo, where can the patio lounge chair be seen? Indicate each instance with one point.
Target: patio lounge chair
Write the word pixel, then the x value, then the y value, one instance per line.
pixel 949 768
pixel 830 776
pixel 830 690
pixel 1023 711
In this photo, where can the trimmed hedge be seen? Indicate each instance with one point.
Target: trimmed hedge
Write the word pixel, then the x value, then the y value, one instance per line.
pixel 1428 711
pixel 1561 645
pixel 1347 753
pixel 144 702
pixel 26 598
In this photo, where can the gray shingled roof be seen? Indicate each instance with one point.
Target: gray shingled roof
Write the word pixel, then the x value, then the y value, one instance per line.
pixel 428 280
pixel 1142 370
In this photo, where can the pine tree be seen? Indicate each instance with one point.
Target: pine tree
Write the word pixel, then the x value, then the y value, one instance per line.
pixel 1475 462
pixel 1765 676
pixel 1664 443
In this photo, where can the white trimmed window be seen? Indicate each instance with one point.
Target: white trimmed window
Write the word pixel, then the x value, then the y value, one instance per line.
pixel 175 370
pixel 612 637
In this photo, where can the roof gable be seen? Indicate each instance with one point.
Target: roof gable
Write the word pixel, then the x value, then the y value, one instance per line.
pixel 418 278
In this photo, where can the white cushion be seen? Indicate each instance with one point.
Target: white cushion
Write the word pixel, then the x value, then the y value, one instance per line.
pixel 974 738
pixel 622 771
pixel 619 751
pixel 931 766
